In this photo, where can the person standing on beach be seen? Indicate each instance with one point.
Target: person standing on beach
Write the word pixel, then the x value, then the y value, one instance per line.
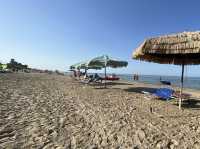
pixel 74 72
pixel 136 77
pixel 78 73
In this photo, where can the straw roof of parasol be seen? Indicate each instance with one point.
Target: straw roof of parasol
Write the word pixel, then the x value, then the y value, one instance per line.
pixel 178 49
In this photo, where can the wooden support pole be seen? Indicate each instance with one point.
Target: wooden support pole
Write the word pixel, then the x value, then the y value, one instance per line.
pixel 105 78
pixel 181 90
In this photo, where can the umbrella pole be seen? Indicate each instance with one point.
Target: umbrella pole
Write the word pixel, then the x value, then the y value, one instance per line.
pixel 86 71
pixel 181 90
pixel 105 78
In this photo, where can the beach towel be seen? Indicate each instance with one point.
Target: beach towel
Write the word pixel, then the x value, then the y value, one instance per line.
pixel 164 93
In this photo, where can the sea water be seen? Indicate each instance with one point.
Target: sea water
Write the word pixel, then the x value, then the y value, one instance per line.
pixel 189 82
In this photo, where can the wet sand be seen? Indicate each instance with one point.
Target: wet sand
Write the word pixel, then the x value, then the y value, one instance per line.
pixel 51 111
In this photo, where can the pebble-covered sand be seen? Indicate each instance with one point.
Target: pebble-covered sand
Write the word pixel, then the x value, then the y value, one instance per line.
pixel 51 111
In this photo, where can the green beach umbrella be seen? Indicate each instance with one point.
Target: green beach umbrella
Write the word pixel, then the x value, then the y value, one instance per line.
pixel 84 65
pixel 105 61
pixel 99 62
pixel 77 65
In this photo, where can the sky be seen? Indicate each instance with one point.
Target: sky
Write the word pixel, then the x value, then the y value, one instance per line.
pixel 49 34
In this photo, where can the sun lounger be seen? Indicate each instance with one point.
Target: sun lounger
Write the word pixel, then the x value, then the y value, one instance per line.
pixel 162 93
pixel 167 94
pixel 183 96
pixel 92 80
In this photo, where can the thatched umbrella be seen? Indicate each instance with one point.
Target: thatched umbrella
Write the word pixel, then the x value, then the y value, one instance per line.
pixel 178 49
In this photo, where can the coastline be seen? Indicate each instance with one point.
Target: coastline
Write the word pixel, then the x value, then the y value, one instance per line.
pixel 193 92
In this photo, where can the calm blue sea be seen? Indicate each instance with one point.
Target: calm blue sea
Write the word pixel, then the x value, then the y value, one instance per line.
pixel 189 82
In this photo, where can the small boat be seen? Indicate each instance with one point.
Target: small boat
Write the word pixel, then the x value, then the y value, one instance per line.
pixel 165 82
pixel 112 78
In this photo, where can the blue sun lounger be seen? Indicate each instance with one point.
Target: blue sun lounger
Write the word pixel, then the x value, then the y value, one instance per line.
pixel 164 93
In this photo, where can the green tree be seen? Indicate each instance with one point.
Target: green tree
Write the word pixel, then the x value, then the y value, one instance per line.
pixel 1 67
pixel 15 66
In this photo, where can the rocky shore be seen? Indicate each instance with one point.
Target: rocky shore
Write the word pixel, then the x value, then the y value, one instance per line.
pixel 52 111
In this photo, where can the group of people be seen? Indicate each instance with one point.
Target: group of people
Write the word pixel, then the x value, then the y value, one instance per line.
pixel 87 78
pixel 84 77
pixel 92 78
pixel 135 77
pixel 78 73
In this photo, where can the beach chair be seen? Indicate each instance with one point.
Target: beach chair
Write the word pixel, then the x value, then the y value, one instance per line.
pixel 161 93
pixel 92 80
pixel 184 95
pixel 164 93
pixel 87 79
pixel 96 79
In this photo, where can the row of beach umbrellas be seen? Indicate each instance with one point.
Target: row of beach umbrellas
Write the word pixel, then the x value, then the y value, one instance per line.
pixel 100 62
pixel 178 49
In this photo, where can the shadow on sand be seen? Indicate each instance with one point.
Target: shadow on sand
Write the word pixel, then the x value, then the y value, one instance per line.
pixel 108 84
pixel 140 89
pixel 188 103
pixel 191 104
pixel 117 83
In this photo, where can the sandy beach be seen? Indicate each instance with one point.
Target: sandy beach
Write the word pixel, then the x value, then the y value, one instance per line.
pixel 52 111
